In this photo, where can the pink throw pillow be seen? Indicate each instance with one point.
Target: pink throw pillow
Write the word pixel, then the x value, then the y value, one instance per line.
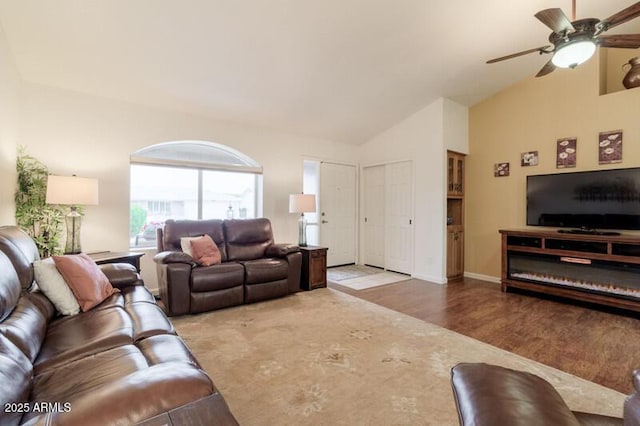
pixel 87 282
pixel 205 251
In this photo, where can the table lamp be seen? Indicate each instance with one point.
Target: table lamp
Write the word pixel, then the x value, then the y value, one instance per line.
pixel 302 203
pixel 72 191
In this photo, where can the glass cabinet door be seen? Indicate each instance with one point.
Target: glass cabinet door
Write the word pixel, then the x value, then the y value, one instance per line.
pixel 450 174
pixel 460 177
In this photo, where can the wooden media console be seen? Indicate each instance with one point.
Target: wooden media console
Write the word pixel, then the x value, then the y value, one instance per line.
pixel 603 269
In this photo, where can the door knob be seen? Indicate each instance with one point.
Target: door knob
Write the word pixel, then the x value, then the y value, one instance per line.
pixel 325 221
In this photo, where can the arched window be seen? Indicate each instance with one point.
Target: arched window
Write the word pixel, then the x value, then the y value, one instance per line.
pixel 190 180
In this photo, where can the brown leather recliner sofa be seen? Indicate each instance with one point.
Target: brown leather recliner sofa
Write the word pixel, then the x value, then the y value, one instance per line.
pixel 253 267
pixel 488 395
pixel 118 363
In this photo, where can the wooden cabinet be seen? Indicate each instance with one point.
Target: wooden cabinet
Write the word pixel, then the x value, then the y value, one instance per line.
pixel 455 253
pixel 455 174
pixel 314 267
pixel 455 215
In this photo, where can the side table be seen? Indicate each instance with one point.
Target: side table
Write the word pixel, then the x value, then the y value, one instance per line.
pixel 103 257
pixel 314 267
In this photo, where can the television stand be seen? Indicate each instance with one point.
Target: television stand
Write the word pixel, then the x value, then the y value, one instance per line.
pixel 587 231
pixel 596 268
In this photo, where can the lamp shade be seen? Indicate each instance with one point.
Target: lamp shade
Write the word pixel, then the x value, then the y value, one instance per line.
pixel 302 203
pixel 573 54
pixel 72 190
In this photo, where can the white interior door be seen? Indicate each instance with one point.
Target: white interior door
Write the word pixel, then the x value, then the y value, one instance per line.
pixel 338 212
pixel 399 217
pixel 374 212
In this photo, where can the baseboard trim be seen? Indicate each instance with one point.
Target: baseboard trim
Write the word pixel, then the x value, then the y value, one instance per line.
pixel 431 279
pixel 482 277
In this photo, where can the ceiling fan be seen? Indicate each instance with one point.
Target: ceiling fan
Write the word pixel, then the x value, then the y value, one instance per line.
pixel 575 41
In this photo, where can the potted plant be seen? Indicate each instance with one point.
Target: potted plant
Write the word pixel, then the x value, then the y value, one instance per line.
pixel 37 218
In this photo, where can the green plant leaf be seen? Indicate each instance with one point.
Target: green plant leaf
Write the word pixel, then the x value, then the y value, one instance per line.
pixel 40 220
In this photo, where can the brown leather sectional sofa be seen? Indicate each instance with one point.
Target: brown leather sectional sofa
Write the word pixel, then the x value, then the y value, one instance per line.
pixel 118 363
pixel 253 267
pixel 488 395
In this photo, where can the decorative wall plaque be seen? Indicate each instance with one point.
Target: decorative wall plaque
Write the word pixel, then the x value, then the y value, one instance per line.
pixel 610 147
pixel 501 169
pixel 529 158
pixel 566 153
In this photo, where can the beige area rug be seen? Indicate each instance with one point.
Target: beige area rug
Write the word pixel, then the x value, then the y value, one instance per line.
pixel 327 358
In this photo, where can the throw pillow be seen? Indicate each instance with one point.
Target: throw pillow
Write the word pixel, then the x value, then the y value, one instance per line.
pixel 205 251
pixel 185 244
pixel 88 283
pixel 52 284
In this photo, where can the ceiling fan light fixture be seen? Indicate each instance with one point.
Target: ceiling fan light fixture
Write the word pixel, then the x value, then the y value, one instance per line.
pixel 573 53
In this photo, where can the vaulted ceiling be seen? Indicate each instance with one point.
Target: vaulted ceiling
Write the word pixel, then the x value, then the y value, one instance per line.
pixel 343 70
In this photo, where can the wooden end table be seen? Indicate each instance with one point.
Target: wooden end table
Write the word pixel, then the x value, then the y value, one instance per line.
pixel 130 257
pixel 314 267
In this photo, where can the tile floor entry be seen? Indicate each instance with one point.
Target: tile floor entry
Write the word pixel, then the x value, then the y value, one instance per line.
pixel 359 277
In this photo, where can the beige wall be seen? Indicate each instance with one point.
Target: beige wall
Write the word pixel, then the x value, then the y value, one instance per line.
pixel 614 67
pixel 9 107
pixel 530 116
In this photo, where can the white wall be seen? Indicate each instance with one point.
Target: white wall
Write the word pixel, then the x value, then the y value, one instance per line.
pixel 9 110
pixel 421 139
pixel 89 136
pixel 456 126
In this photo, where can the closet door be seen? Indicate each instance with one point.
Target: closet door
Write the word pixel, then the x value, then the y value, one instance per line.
pixel 338 212
pixel 398 217
pixel 374 212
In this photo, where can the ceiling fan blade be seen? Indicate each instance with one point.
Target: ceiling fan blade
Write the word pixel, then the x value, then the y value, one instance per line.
pixel 627 41
pixel 547 69
pixel 540 49
pixel 621 17
pixel 555 19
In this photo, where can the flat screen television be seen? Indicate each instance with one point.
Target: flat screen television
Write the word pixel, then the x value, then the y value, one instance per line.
pixel 602 199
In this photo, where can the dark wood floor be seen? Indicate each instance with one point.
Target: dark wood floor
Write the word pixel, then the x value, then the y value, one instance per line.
pixel 599 345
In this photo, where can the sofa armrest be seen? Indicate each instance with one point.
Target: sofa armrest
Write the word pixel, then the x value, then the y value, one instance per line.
pixel 492 395
pixel 281 250
pixel 121 274
pixel 295 271
pixel 632 403
pixel 174 285
pixel 211 409
pixel 166 257
pixel 593 419
pixel 141 395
